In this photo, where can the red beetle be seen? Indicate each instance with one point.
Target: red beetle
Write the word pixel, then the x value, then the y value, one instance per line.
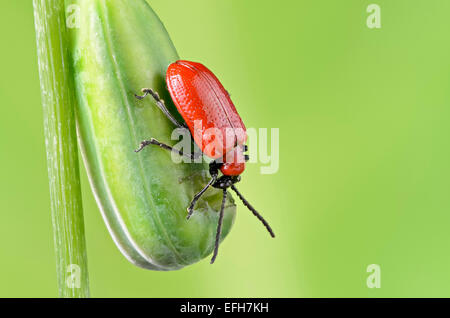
pixel 215 126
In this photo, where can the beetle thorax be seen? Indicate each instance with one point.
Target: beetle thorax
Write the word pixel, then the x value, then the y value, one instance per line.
pixel 233 162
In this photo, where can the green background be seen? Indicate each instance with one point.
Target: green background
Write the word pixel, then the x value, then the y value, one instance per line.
pixel 364 174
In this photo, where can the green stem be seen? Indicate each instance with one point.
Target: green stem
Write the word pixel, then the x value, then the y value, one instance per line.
pixel 61 144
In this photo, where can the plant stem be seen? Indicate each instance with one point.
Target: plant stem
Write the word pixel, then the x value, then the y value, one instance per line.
pixel 61 144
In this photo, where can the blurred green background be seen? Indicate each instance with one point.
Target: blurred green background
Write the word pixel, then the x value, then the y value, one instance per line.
pixel 364 174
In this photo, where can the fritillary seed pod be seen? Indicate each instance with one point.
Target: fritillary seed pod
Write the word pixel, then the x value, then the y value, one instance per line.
pixel 119 46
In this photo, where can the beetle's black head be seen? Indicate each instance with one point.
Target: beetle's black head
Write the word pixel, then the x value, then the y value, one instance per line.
pixel 224 182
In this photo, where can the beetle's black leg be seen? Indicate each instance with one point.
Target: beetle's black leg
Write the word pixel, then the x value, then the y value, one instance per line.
pixel 190 209
pixel 160 104
pixel 155 142
pixel 219 226
pixel 255 213
pixel 245 149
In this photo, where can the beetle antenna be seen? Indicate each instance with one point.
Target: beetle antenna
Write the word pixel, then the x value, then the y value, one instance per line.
pixel 255 213
pixel 219 227
pixel 190 209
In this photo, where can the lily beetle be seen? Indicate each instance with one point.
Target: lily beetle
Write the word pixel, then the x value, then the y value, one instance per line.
pixel 209 113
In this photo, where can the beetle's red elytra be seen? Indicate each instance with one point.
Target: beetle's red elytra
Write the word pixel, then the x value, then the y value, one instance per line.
pixel 199 96
pixel 215 126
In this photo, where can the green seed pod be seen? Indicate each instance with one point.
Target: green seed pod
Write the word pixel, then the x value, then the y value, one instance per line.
pixel 120 46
